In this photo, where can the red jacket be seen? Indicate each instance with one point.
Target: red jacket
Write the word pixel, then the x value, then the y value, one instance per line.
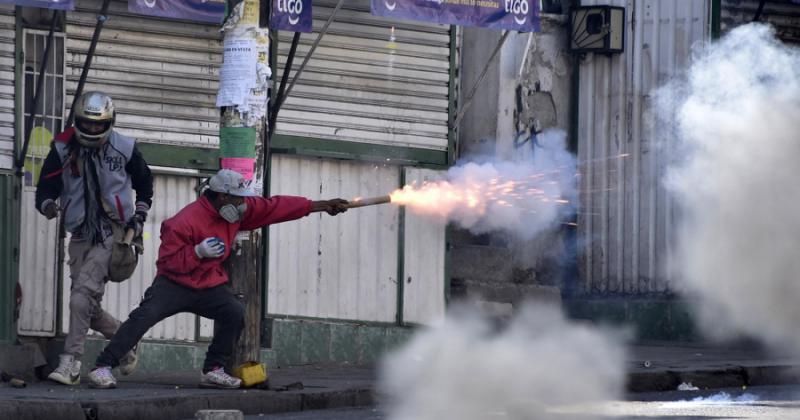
pixel 199 220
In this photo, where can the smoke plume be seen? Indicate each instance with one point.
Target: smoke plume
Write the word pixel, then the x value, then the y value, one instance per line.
pixel 738 132
pixel 521 198
pixel 465 370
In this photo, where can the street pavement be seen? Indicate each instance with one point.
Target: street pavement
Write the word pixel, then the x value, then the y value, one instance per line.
pixel 764 402
pixel 651 367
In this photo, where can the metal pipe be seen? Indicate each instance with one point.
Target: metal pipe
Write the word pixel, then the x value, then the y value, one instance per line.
pixel 273 118
pixel 371 201
pixel 760 9
pixel 101 19
pixel 36 96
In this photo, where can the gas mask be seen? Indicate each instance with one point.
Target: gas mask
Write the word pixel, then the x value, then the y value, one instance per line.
pixel 231 213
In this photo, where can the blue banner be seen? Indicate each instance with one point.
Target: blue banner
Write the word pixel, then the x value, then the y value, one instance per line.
pixel 291 15
pixel 211 11
pixel 44 4
pixel 514 15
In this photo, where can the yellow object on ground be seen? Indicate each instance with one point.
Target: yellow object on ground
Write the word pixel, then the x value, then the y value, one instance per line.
pixel 251 373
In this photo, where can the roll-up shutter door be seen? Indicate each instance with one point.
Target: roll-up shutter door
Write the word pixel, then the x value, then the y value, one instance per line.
pixel 7 44
pixel 371 80
pixel 161 73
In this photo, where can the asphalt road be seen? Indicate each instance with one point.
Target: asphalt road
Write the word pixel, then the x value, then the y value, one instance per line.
pixel 768 402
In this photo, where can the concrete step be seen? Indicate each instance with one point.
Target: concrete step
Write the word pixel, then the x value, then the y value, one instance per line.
pixel 21 360
pixel 481 263
pixel 504 293
pixel 460 236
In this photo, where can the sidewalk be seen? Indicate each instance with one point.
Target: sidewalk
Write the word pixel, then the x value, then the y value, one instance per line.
pixel 664 366
pixel 174 395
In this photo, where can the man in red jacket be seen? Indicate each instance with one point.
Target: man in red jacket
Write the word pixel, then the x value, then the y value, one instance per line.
pixel 190 277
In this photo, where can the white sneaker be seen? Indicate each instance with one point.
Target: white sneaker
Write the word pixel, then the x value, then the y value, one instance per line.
pixel 217 378
pixel 102 378
pixel 128 362
pixel 68 371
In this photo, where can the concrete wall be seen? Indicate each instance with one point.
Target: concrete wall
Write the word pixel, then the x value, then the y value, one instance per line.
pixel 536 66
pixel 542 77
pixel 526 90
pixel 478 127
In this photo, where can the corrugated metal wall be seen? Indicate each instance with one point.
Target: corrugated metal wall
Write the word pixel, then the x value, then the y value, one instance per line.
pixel 162 74
pixel 371 80
pixel 38 265
pixel 342 267
pixel 423 260
pixel 784 15
pixel 172 193
pixel 7 45
pixel 626 220
pixel 38 270
pixel 8 225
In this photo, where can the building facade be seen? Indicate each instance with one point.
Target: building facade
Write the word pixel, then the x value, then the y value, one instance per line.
pixel 369 114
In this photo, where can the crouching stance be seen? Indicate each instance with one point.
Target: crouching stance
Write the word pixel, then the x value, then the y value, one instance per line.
pixel 190 276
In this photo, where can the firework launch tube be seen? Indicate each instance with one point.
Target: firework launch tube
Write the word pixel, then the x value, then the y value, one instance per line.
pixel 371 201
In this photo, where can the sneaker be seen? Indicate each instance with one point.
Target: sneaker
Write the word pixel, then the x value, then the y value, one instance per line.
pixel 68 371
pixel 102 378
pixel 128 362
pixel 217 378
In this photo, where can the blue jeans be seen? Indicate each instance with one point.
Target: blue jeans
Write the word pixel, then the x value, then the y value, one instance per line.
pixel 165 298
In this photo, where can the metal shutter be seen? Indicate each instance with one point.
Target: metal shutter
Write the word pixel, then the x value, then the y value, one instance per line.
pixel 161 73
pixel 361 85
pixel 7 44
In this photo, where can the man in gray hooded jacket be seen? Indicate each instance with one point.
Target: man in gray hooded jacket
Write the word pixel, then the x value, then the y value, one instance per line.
pixel 88 177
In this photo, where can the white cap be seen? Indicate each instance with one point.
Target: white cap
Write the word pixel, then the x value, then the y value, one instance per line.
pixel 230 182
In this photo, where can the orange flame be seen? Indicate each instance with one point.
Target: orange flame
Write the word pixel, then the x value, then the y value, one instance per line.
pixel 442 198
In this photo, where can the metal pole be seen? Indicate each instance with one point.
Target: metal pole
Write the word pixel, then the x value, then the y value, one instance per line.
pixel 474 89
pixel 760 9
pixel 101 19
pixel 273 118
pixel 36 96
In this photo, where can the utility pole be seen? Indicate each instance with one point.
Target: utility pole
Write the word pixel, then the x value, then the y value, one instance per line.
pixel 242 99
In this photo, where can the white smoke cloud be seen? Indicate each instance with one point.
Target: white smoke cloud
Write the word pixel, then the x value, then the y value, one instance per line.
pixel 466 370
pixel 521 198
pixel 737 184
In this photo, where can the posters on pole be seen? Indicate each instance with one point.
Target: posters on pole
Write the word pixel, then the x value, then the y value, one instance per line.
pixel 237 150
pixel 244 166
pixel 291 15
pixel 238 73
pixel 211 11
pixel 514 15
pixel 43 4
pixel 239 142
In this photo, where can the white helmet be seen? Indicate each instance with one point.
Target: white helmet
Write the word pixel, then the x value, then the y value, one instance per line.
pixel 94 107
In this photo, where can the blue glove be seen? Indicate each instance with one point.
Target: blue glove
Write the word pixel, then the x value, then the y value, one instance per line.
pixel 212 247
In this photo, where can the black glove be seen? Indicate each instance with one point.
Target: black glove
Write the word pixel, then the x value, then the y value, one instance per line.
pixel 50 209
pixel 137 223
pixel 332 207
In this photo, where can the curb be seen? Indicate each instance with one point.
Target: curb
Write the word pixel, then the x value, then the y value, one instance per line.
pixel 255 402
pixel 728 377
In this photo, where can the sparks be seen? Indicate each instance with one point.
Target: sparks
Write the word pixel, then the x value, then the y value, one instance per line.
pixel 478 197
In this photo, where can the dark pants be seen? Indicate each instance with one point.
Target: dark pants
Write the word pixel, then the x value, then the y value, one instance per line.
pixel 165 298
